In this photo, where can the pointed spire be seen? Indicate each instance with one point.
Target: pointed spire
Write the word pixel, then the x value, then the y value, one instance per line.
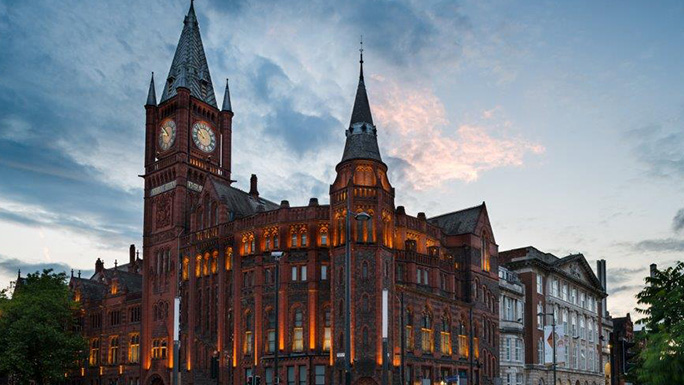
pixel 226 99
pixel 151 94
pixel 362 141
pixel 189 68
pixel 361 112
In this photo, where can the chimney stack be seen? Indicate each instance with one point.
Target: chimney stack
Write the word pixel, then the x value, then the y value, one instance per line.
pixel 253 191
pixel 131 255
pixel 654 269
pixel 601 272
pixel 99 265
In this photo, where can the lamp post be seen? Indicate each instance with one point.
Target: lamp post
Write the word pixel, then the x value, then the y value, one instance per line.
pixel 277 255
pixel 362 216
pixel 553 336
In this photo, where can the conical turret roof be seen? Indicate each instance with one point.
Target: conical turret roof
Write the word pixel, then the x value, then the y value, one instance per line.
pixel 189 68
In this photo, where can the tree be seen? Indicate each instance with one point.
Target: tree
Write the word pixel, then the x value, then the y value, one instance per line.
pixel 38 338
pixel 661 343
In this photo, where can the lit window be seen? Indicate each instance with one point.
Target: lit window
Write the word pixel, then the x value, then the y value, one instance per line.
pixel 248 346
pixel 298 332
pixel 229 258
pixel 426 333
pixel 134 349
pixel 327 330
pixel 94 357
pixel 409 329
pixel 113 357
pixel 445 340
pixel 198 266
pixel 214 262
pixel 186 264
pixel 270 332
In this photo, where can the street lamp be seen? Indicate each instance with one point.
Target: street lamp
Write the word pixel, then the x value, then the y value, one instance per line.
pixel 277 255
pixel 362 216
pixel 553 335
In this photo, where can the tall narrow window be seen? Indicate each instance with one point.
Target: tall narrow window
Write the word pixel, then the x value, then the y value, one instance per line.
pixel 298 331
pixel 229 258
pixel 426 333
pixel 94 358
pixel 445 340
pixel 293 242
pixel 324 236
pixel 484 252
pixel 369 230
pixel 134 348
pixel 327 330
pixel 304 238
pixel 248 346
pixel 205 266
pixel 270 332
pixel 214 262
pixel 276 241
pixel 186 264
pixel 540 284
pixel 113 357
pixel 409 329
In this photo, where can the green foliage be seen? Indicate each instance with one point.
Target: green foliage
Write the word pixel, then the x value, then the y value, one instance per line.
pixel 38 341
pixel 661 353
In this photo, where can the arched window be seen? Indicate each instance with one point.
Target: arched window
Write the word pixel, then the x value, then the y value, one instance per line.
pixel 134 348
pixel 484 253
pixel 324 235
pixel 427 340
pixel 298 331
pixel 229 258
pixel 370 235
pixel 445 336
pixel 214 262
pixel 409 329
pixel 186 264
pixel 205 267
pixel 113 357
pixel 248 345
pixel 327 329
pixel 303 236
pixel 198 266
pixel 94 358
pixel 252 244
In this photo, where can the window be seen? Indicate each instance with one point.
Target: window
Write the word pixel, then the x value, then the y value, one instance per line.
pixel 463 349
pixel 426 333
pixel 540 351
pixel 364 270
pixel 134 348
pixel 573 296
pixel 186 264
pixel 299 273
pixel 229 258
pixel 554 288
pixel 302 375
pixel 409 329
pixel 205 266
pixel 134 314
pixel 319 371
pixel 324 236
pixel 159 348
pixel 324 272
pixel 327 330
pixel 507 349
pixel 294 273
pixel 198 266
pixel 564 294
pixel 293 243
pixel 302 270
pixel 248 345
pixel 518 349
pixel 290 375
pixel 445 337
pixel 114 318
pixel 94 357
pixel 298 331
pixel 270 332
pixel 540 316
pixel 303 240
pixel 484 253
pixel 540 283
pixel 269 376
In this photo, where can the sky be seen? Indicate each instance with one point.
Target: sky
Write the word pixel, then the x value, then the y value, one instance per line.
pixel 566 118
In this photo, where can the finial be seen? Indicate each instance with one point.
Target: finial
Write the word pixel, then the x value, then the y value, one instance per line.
pixel 226 99
pixel 361 50
pixel 116 264
pixel 18 273
pixel 151 94
pixel 72 273
pixel 79 274
pixel 137 254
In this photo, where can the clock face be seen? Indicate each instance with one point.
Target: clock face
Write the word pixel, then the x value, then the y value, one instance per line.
pixel 167 134
pixel 204 137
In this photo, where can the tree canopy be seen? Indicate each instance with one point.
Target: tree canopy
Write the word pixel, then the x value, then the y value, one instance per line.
pixel 660 357
pixel 39 341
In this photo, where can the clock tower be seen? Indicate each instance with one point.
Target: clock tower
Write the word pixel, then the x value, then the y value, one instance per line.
pixel 187 139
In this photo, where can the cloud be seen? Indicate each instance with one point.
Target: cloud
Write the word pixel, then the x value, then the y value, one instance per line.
pixel 625 289
pixel 678 221
pixel 659 147
pixel 620 275
pixel 10 267
pixel 666 245
pixel 420 134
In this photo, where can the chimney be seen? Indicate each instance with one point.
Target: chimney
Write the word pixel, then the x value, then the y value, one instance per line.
pixel 99 265
pixel 421 216
pixel 601 272
pixel 401 210
pixel 284 204
pixel 313 202
pixel 131 254
pixel 654 269
pixel 253 191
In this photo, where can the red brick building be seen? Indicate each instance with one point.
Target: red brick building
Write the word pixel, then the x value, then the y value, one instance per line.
pixel 207 261
pixel 110 318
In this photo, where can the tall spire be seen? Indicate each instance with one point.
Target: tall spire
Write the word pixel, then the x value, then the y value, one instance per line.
pixel 362 141
pixel 151 95
pixel 226 99
pixel 189 68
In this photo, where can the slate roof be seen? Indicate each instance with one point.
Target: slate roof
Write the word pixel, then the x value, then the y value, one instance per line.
pixel 189 68
pixel 362 138
pixel 459 222
pixel 240 202
pixel 91 289
pixel 226 99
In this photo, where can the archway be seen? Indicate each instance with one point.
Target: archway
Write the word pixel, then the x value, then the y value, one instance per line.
pixel 156 380
pixel 365 381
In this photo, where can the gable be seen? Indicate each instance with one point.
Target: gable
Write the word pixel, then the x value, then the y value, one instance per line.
pixel 577 267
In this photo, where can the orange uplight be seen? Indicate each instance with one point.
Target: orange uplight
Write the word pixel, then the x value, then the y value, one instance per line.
pixel 120 369
pixel 82 372
pixel 312 319
pixel 101 370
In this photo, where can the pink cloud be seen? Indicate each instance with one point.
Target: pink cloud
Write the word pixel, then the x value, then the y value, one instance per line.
pixel 420 133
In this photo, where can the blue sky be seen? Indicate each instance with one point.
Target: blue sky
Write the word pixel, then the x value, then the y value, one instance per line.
pixel 565 117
